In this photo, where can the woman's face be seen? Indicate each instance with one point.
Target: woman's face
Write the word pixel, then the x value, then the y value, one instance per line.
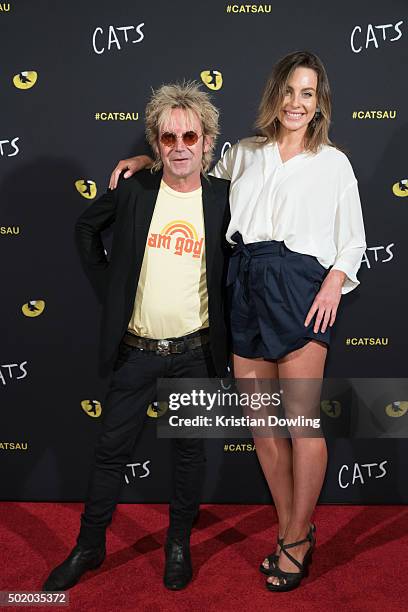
pixel 300 101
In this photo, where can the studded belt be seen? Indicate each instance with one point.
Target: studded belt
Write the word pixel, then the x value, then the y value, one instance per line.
pixel 168 347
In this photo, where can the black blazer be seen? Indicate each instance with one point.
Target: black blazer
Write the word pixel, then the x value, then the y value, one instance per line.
pixel 130 207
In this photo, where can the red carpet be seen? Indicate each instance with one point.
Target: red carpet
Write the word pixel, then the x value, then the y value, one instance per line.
pixel 360 563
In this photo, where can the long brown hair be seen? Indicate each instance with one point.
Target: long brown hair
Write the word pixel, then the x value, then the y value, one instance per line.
pixel 267 122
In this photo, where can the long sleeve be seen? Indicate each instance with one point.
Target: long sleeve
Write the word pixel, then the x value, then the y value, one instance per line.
pixel 88 229
pixel 349 236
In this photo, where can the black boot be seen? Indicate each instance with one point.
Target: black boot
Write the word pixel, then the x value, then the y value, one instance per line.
pixel 178 570
pixel 80 560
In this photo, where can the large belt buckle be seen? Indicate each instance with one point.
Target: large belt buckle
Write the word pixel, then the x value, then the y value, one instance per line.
pixel 163 348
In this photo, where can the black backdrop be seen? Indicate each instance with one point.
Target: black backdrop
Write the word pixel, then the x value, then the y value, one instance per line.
pixel 51 137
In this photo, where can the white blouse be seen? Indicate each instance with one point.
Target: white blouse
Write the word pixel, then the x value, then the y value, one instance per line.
pixel 311 202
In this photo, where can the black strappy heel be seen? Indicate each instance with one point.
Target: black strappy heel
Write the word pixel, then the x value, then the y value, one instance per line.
pixel 273 558
pixel 291 580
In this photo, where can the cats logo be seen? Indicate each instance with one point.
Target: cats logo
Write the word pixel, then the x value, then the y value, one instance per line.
pixel 92 408
pixel 331 408
pixel 25 80
pixel 157 409
pixel 400 189
pixel 396 409
pixel 212 79
pixel 33 308
pixel 86 188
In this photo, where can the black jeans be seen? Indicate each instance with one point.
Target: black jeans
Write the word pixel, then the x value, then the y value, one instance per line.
pixel 132 388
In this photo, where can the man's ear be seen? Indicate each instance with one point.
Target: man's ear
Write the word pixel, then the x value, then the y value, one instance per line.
pixel 207 143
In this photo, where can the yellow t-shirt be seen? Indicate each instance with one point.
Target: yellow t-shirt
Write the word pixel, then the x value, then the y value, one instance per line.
pixel 171 297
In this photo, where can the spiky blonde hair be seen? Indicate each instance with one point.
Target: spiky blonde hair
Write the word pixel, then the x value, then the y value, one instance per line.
pixel 189 97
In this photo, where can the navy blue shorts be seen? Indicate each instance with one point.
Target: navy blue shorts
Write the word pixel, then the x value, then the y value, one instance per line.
pixel 271 290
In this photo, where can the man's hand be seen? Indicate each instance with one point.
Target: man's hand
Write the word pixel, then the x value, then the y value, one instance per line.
pixel 131 165
pixel 326 301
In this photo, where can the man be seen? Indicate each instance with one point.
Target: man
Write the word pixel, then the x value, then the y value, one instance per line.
pixel 162 313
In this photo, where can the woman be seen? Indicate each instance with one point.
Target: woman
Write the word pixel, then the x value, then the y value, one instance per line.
pixel 297 225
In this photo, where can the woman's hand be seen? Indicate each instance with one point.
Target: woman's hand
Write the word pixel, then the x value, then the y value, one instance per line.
pixel 131 165
pixel 326 301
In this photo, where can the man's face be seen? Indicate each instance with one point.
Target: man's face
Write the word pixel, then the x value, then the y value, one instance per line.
pixel 181 160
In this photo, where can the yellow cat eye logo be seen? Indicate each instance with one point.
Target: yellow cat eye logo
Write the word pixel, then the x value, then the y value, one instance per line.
pixel 396 409
pixel 92 408
pixel 212 79
pixel 86 188
pixel 25 79
pixel 400 189
pixel 157 409
pixel 33 308
pixel 331 408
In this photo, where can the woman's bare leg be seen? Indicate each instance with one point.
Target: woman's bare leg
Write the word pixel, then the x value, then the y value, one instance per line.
pixel 274 454
pixel 309 455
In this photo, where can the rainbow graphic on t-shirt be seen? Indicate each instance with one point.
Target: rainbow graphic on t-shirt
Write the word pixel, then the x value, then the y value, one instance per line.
pixel 180 227
pixel 181 235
